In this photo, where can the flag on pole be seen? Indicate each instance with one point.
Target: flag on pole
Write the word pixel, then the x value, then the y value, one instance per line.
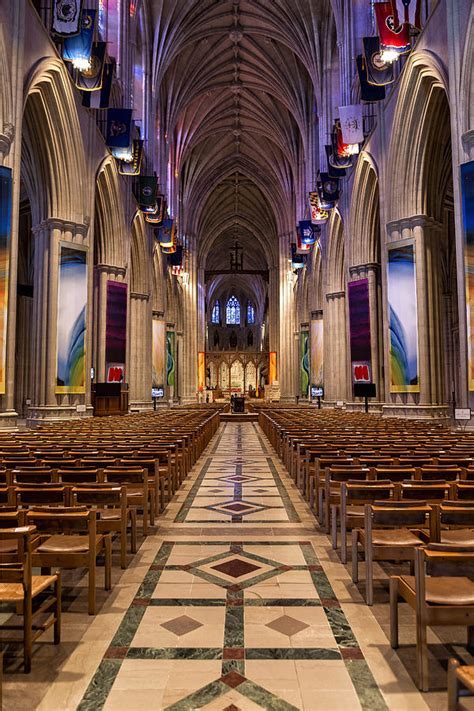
pixel 133 167
pixel 146 193
pixel 119 128
pixel 156 217
pixel 407 12
pixel 333 164
pixel 379 72
pixel 307 232
pixel 167 234
pixel 369 93
pixel 391 37
pixel 328 190
pixel 352 125
pixel 318 215
pixel 66 17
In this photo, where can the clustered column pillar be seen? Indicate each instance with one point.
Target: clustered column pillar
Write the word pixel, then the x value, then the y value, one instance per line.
pixel 335 348
pixel 140 368
pixel 286 354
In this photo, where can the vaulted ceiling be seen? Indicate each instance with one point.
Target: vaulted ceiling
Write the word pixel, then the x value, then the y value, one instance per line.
pixel 239 84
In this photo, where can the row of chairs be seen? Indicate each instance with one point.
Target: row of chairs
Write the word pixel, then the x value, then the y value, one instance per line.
pixel 67 516
pixel 405 493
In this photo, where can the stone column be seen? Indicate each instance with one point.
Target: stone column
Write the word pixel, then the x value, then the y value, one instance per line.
pixel 103 274
pixel 335 347
pixel 188 364
pixel 286 352
pixel 46 403
pixel 423 232
pixel 140 368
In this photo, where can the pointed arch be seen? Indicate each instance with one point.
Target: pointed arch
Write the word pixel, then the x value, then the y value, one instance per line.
pixel 364 219
pixel 335 254
pixel 110 226
pixel 139 256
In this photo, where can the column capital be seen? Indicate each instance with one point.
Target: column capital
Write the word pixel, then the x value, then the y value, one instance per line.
pixel 317 314
pixel 139 297
pixel 370 266
pixel 111 269
pixel 158 314
pixel 57 223
pixel 335 295
pixel 412 222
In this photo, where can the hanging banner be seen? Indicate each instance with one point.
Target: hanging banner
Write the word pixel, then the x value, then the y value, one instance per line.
pixel 352 125
pixel 170 358
pixel 90 79
pixel 119 127
pixel 304 363
pixel 132 167
pixel 272 368
pixel 146 193
pixel 368 92
pixel 317 352
pixel 66 17
pixel 334 171
pixel 379 72
pixel 403 310
pixel 72 307
pixel 101 99
pixel 391 37
pixel 167 234
pixel 201 372
pixel 329 191
pixel 158 353
pixel 158 215
pixel 359 328
pixel 78 49
pixel 467 191
pixel 116 331
pixel 318 215
pixel 307 233
pixel 407 12
pixel 5 237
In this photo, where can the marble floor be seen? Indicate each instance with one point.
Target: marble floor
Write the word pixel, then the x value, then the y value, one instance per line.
pixel 236 602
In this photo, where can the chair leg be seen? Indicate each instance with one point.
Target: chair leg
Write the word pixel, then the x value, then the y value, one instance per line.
pixel 369 575
pixel 470 639
pixel 334 527
pixel 57 620
pixel 27 634
pixel 123 549
pixel 133 530
pixel 453 685
pixel 394 613
pixel 422 655
pixel 355 556
pixel 108 562
pixel 343 542
pixel 91 595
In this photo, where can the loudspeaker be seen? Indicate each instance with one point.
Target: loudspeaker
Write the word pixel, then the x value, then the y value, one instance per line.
pixel 364 390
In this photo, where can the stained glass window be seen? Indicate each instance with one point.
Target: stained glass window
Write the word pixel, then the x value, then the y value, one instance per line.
pixel 250 314
pixel 216 313
pixel 233 312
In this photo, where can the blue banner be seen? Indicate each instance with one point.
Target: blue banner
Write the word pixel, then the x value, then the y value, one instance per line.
pixel 79 47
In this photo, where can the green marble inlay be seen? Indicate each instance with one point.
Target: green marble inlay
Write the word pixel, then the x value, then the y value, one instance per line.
pixel 200 698
pixel 100 685
pixel 292 653
pixel 290 509
pixel 234 627
pixel 278 602
pixel 264 698
pixel 370 696
pixel 184 510
pixel 236 665
pixel 193 602
pixel 174 653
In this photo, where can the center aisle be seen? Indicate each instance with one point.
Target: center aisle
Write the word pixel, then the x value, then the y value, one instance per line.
pixel 235 605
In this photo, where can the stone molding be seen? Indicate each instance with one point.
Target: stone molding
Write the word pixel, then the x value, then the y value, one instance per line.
pixel 412 222
pixel 111 269
pixel 335 295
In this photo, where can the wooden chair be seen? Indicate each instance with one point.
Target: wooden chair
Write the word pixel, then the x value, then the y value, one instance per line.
pixel 439 593
pixel 460 683
pixel 354 496
pixel 68 538
pixel 139 496
pixel 110 504
pixel 28 495
pixel 19 587
pixel 330 493
pixel 391 532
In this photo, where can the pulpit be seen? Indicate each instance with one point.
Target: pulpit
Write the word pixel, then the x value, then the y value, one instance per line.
pixel 110 399
pixel 239 404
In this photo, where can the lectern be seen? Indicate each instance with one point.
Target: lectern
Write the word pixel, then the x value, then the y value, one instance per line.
pixel 110 399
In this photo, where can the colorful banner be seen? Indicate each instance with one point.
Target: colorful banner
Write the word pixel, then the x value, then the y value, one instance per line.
pixel 272 368
pixel 90 79
pixel 116 328
pixel 119 128
pixel 317 352
pixel 379 72
pixel 352 125
pixel 467 190
pixel 407 12
pixel 101 99
pixel 158 353
pixel 359 326
pixel 66 17
pixel 78 48
pixel 201 372
pixel 170 358
pixel 404 376
pixel 72 307
pixel 304 363
pixel 391 37
pixel 368 92
pixel 5 236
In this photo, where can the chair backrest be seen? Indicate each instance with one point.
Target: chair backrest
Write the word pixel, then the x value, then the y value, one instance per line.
pixel 100 495
pixel 65 520
pixel 434 471
pixel 398 513
pixel 78 476
pixel 33 494
pixel 40 475
pixel 394 473
pixel 463 490
pixel 424 490
pixel 444 559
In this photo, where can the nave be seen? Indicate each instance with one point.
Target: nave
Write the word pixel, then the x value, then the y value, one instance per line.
pixel 236 602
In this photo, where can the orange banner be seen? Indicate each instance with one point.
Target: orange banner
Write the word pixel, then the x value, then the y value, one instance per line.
pixel 201 372
pixel 272 370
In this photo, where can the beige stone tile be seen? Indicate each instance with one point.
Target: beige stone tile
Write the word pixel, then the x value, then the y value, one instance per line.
pixel 210 633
